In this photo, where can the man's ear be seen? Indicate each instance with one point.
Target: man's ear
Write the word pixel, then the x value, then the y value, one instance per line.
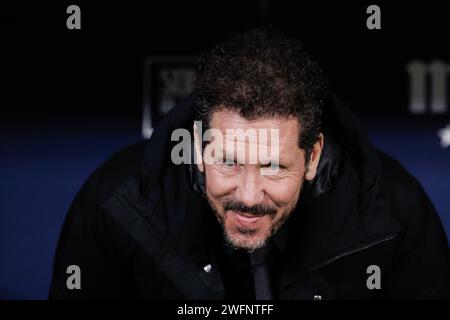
pixel 198 145
pixel 314 158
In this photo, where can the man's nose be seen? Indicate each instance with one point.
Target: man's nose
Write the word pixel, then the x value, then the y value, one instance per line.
pixel 250 191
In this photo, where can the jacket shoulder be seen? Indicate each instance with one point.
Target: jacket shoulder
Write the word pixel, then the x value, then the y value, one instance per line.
pixel 408 203
pixel 89 238
pixel 125 163
pixel 422 247
pixel 397 180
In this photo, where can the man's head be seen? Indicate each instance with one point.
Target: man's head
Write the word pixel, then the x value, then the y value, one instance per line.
pixel 258 80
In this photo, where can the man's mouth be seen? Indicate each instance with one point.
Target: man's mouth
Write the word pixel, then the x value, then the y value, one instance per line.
pixel 245 218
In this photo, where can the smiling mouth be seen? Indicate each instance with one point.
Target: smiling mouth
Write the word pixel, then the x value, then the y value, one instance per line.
pixel 244 218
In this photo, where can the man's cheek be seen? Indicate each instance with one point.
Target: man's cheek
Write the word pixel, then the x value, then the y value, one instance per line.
pixel 282 193
pixel 215 191
pixel 217 185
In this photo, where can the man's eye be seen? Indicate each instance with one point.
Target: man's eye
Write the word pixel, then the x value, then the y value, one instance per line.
pixel 272 166
pixel 229 164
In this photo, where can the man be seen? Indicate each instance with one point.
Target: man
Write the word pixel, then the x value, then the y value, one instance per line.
pixel 323 216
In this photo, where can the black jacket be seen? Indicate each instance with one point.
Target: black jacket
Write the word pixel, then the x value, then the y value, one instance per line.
pixel 140 226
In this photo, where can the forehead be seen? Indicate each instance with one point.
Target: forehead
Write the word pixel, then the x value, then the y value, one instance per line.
pixel 287 128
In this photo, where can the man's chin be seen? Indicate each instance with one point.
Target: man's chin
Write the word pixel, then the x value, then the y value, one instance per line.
pixel 246 239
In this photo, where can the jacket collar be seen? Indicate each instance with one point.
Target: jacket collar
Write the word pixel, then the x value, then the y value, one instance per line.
pixel 342 211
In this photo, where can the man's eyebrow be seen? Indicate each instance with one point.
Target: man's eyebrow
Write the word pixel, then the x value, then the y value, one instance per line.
pixel 273 163
pixel 229 156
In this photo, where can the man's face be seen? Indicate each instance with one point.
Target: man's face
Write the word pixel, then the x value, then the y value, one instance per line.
pixel 250 203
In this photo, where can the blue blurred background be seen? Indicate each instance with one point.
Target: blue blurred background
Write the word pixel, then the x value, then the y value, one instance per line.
pixel 69 99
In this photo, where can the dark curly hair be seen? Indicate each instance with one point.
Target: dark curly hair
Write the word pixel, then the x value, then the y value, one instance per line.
pixel 260 74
